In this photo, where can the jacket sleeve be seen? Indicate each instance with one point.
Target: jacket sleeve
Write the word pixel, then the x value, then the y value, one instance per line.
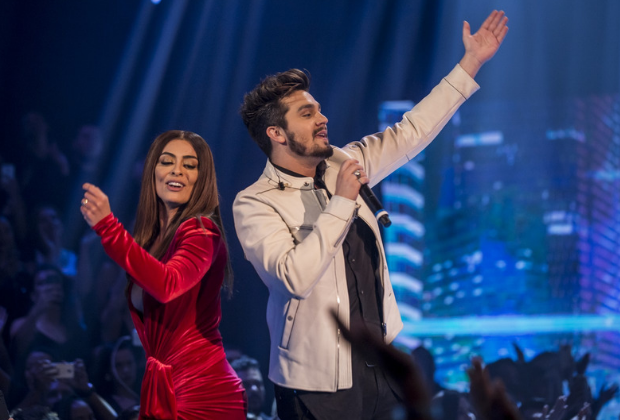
pixel 383 153
pixel 292 268
pixel 190 261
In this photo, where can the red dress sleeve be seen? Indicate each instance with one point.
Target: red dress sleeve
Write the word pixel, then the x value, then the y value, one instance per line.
pixel 184 269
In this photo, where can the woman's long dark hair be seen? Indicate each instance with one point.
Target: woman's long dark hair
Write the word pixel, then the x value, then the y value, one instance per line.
pixel 204 200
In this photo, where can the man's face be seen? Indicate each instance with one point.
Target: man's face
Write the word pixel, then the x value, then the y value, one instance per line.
pixel 307 127
pixel 254 388
pixel 57 390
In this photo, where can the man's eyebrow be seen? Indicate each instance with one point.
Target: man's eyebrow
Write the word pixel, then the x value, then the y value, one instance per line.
pixel 307 106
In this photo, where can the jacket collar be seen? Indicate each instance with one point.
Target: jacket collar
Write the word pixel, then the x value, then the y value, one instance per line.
pixel 290 178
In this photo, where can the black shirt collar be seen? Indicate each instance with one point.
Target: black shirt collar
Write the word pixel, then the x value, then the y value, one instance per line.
pixel 320 171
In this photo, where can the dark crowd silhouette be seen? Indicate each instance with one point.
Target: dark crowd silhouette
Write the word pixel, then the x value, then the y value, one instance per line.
pixel 69 351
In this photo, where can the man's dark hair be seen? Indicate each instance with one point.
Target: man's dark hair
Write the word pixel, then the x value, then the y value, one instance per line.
pixel 262 107
pixel 244 363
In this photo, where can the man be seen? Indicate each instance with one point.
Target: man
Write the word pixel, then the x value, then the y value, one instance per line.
pixel 248 370
pixel 316 244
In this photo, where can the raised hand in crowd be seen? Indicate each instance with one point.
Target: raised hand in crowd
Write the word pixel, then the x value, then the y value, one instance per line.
pixel 36 129
pixel 579 399
pixel 489 398
pixel 395 363
pixel 85 390
pixel 606 394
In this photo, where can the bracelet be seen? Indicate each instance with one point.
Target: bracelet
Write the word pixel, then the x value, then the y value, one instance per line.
pixel 85 393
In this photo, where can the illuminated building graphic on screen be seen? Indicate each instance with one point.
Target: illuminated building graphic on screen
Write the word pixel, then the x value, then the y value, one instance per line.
pixel 403 198
pixel 521 231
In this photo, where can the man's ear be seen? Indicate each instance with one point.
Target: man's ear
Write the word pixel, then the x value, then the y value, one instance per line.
pixel 276 134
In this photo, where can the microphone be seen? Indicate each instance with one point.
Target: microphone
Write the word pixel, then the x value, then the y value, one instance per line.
pixel 375 205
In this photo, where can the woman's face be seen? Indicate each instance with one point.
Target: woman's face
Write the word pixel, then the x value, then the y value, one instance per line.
pixel 125 365
pixel 48 286
pixel 176 173
pixel 50 226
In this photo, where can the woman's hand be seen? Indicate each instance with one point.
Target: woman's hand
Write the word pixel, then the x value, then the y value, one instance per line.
pixel 95 204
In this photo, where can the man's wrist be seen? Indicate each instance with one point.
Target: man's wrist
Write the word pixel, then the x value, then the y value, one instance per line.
pixel 470 64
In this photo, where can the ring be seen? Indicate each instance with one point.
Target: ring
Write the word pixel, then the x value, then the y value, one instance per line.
pixel 357 174
pixel 84 201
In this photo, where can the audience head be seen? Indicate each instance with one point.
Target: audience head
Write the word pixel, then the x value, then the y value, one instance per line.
pixel 451 405
pixel 131 413
pixel 88 142
pixel 507 371
pixel 248 371
pixel 36 412
pixel 35 128
pixel 116 368
pixel 73 408
pixel 48 226
pixel 425 361
pixel 34 366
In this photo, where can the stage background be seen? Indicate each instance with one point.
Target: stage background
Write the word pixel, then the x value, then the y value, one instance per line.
pixel 520 191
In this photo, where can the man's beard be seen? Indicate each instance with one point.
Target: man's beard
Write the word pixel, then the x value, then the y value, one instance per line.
pixel 301 150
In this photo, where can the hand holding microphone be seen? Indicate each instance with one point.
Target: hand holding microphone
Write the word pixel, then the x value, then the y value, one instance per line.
pixel 352 180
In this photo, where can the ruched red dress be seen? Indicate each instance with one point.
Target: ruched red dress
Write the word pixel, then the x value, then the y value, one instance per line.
pixel 187 375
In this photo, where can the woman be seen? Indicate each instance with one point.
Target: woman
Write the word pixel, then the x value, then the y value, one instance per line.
pixel 116 374
pixel 176 265
pixel 54 320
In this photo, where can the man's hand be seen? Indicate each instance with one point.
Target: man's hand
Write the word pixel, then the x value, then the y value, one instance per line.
pixel 95 204
pixel 481 46
pixel 350 179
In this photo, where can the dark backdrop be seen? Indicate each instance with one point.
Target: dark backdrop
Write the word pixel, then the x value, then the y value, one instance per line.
pixel 138 68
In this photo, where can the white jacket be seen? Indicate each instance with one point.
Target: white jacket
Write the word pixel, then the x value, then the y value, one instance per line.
pixel 293 239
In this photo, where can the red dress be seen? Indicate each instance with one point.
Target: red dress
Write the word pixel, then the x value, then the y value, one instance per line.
pixel 187 375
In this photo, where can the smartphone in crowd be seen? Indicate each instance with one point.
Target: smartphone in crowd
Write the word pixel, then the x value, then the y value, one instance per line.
pixel 65 370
